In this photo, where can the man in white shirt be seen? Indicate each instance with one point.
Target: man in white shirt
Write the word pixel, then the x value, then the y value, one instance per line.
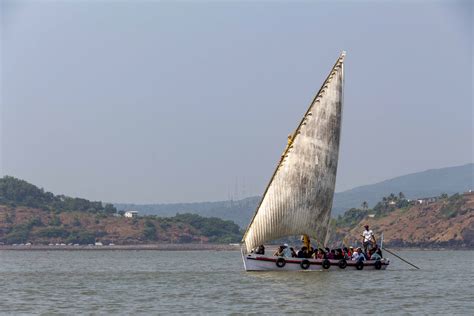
pixel 358 255
pixel 355 256
pixel 368 238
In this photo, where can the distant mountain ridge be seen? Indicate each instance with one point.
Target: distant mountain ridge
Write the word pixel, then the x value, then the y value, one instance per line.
pixel 427 183
pixel 238 211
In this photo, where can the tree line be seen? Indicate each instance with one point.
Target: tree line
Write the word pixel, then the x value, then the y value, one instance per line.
pixel 16 192
pixel 389 204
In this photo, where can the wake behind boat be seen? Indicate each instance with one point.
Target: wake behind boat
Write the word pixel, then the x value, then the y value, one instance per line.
pixel 298 198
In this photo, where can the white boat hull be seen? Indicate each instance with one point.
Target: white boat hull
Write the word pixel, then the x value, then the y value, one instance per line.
pixel 253 262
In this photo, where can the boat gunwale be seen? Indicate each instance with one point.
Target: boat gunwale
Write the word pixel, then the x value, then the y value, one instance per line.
pixel 368 263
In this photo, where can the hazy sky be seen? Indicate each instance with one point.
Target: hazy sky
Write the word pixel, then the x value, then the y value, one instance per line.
pixel 131 101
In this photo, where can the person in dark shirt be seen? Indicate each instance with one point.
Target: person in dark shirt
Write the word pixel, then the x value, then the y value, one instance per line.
pixel 376 249
pixel 303 252
pixel 345 253
pixel 338 254
pixel 260 250
pixel 330 255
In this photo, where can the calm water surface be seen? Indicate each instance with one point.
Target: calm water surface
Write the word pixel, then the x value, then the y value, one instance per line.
pixel 191 282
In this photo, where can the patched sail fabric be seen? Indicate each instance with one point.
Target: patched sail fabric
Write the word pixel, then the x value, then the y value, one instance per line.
pixel 298 199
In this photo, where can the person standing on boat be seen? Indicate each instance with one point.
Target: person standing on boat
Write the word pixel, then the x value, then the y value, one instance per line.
pixel 368 238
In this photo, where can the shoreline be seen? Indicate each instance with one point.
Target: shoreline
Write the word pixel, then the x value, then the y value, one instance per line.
pixel 156 247
pixel 179 247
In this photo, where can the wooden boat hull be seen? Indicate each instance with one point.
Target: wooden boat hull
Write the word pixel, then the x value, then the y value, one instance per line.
pixel 253 262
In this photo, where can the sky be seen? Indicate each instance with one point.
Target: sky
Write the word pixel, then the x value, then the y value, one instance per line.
pixel 156 101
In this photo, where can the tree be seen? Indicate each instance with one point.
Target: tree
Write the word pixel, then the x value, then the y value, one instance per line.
pixel 55 221
pixel 365 205
pixel 392 197
pixel 401 196
pixel 110 209
pixel 76 222
pixel 150 230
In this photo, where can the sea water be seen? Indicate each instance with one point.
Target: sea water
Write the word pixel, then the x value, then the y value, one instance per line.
pixel 213 282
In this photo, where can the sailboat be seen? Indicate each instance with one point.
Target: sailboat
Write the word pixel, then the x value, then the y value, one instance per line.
pixel 298 198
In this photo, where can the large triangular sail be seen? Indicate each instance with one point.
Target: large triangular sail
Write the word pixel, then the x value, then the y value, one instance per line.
pixel 298 199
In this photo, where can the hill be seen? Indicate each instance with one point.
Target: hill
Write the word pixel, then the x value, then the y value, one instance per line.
pixel 431 182
pixel 439 222
pixel 237 211
pixel 422 184
pixel 24 224
pixel 29 214
pixel 16 192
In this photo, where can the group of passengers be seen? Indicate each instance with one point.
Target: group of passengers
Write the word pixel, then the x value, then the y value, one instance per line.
pixel 357 254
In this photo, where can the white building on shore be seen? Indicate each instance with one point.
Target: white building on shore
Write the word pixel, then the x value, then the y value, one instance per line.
pixel 131 214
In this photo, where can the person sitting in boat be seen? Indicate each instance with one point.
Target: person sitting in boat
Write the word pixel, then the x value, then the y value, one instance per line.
pixel 327 252
pixel 318 254
pixel 358 255
pixel 345 253
pixel 286 251
pixel 355 255
pixel 279 252
pixel 368 238
pixel 376 250
pixel 338 254
pixel 330 254
pixel 303 252
pixel 260 250
pixel 350 252
pixel 283 251
pixel 375 256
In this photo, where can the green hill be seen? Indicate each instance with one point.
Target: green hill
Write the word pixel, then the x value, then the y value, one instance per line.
pixel 29 214
pixel 443 221
pixel 16 192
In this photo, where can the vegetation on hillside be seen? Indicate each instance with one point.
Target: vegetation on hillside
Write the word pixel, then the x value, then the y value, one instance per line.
pixel 430 222
pixel 40 227
pixel 32 215
pixel 16 192
pixel 382 208
pixel 421 184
